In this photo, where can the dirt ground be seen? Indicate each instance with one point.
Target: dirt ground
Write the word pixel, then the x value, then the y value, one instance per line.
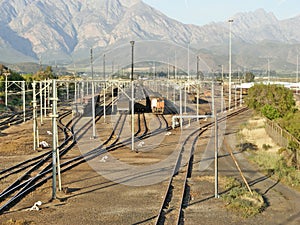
pixel 90 198
pixel 283 203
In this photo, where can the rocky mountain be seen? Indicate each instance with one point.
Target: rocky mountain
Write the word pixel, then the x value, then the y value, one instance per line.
pixel 63 31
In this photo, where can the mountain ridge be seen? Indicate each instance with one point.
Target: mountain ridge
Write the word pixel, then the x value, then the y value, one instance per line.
pixel 34 30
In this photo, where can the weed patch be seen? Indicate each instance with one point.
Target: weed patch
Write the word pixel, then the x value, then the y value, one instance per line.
pixel 239 199
pixel 277 165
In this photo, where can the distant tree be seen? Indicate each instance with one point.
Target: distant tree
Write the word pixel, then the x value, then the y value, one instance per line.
pixel 249 77
pixel 28 79
pixel 13 76
pixel 3 69
pixel 44 74
pixel 162 74
pixel 235 75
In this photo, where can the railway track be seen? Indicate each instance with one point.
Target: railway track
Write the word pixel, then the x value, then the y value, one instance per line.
pixel 27 182
pixel 42 167
pixel 14 119
pixel 30 162
pixel 176 195
pixel 32 169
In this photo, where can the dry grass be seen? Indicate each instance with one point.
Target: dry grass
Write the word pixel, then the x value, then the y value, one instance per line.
pixel 254 132
pixel 16 222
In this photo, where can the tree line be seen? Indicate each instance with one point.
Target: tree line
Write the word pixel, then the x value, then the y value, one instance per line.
pixel 41 74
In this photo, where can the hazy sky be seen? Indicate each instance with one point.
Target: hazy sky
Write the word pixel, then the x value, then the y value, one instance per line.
pixel 201 12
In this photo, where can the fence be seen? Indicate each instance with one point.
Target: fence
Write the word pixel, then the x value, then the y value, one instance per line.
pixel 283 138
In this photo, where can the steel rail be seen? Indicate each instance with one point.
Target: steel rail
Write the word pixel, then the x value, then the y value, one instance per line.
pixel 160 218
pixel 26 184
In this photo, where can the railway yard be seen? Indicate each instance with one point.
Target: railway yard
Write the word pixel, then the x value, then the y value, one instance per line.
pixel 156 169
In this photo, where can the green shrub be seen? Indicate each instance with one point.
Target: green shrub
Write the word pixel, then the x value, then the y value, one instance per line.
pixel 231 182
pixel 266 147
pixel 270 112
pixel 281 150
pixel 291 122
pixel 15 102
pixel 241 200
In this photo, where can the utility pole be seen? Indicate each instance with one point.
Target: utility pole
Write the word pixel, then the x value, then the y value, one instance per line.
pixel 6 87
pixel 235 96
pixel 24 100
pixel 197 105
pixel 41 101
pixel 168 88
pixel 40 62
pixel 188 65
pixel 222 90
pixel 75 85
pixel 297 74
pixel 48 90
pixel 185 97
pixel 93 96
pixel 45 97
pixel 35 132
pixel 198 60
pixel 75 92
pixel 67 84
pixel 174 94
pixel 180 106
pixel 268 71
pixel 229 82
pixel 241 93
pixel 104 101
pixel 112 97
pixel 132 96
pixel 87 88
pixel 198 86
pixel 54 138
pixel 216 140
pixel 175 68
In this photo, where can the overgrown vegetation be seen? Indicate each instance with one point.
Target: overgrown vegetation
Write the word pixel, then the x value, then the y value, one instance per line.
pixel 291 123
pixel 278 165
pixel 273 101
pixel 281 163
pixel 276 103
pixel 239 199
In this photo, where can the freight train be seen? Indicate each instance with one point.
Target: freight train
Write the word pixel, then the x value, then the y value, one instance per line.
pixel 157 105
